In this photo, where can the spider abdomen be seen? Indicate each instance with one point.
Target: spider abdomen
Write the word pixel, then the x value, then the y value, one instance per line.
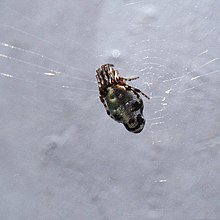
pixel 125 107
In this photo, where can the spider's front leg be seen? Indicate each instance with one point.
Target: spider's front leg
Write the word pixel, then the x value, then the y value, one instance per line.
pixel 102 79
pixel 107 65
pixel 98 80
pixel 135 90
pixel 129 79
pixel 103 91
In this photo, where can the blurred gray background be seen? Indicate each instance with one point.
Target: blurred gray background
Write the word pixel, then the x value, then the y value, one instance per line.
pixel 62 157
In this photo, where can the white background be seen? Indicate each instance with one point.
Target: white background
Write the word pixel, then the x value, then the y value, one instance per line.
pixel 62 157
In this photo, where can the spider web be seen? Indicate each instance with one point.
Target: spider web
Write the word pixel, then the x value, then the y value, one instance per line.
pixel 49 100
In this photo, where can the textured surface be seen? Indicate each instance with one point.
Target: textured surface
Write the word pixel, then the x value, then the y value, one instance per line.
pixel 62 157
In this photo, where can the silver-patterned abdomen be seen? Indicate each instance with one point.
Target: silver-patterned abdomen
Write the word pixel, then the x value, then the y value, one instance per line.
pixel 125 107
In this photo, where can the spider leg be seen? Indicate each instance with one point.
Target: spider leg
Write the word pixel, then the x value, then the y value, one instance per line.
pixel 129 79
pixel 107 74
pixel 107 64
pixel 135 90
pixel 116 76
pixel 99 78
pixel 102 77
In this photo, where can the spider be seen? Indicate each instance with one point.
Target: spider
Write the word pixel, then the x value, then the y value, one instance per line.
pixel 121 101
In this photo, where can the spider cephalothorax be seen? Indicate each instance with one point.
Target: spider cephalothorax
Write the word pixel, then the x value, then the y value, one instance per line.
pixel 121 101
